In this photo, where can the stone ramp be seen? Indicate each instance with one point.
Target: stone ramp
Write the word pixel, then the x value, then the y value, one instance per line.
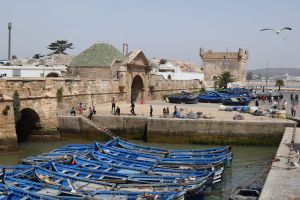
pixel 99 127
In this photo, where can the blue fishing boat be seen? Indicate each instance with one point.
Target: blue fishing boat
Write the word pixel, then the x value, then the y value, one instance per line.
pixel 26 188
pixel 109 166
pixel 210 97
pixel 86 185
pixel 116 141
pixel 137 195
pixel 133 155
pixel 116 177
pixel 12 170
pixel 236 101
pixel 183 97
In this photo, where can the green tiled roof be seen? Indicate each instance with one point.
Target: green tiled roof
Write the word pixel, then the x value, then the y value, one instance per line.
pixel 98 55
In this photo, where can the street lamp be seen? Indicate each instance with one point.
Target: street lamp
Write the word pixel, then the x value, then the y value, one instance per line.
pixel 267 77
pixel 9 39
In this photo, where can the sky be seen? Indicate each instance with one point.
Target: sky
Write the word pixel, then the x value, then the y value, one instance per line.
pixel 173 29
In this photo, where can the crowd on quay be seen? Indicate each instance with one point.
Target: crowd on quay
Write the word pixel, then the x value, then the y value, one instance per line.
pixel 278 103
pixel 264 105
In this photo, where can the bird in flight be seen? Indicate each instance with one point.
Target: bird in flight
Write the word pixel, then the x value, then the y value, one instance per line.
pixel 277 31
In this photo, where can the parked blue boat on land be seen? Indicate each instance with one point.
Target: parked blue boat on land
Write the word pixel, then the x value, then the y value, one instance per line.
pixel 236 101
pixel 183 97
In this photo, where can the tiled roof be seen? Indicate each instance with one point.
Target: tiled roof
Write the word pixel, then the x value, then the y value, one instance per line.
pixel 98 55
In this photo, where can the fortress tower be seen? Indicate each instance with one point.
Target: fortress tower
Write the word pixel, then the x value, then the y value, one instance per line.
pixel 214 63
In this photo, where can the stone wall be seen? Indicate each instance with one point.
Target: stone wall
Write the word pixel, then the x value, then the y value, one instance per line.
pixel 165 87
pixel 200 131
pixel 8 139
pixel 39 94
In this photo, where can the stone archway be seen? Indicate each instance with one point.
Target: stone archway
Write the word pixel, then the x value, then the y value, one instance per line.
pixel 28 122
pixel 137 88
pixel 52 74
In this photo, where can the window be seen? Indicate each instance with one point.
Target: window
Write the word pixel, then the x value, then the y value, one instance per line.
pixel 16 73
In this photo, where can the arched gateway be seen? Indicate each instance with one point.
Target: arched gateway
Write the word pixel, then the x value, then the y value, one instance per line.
pixel 137 88
pixel 28 121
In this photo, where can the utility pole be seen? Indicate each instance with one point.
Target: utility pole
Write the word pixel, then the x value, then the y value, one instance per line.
pixel 9 39
pixel 267 77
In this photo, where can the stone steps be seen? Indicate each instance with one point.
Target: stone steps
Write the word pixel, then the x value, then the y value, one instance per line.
pixel 99 127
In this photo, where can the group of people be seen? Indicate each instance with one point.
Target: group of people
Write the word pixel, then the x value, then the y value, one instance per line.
pixel 166 112
pixel 92 110
pixel 115 110
pixel 278 102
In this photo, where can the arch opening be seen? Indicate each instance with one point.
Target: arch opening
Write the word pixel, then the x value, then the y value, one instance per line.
pixel 28 122
pixel 137 88
pixel 52 74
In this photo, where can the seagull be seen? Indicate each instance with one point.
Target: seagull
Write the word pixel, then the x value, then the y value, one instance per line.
pixel 278 31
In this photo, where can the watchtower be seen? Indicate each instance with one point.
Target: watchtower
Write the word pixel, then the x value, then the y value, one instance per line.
pixel 214 63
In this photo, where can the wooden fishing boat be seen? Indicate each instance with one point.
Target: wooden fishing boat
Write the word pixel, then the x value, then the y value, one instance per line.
pixel 245 194
pixel 132 155
pixel 183 97
pixel 109 166
pixel 25 188
pixel 12 170
pixel 142 148
pixel 80 184
pixel 116 177
pixel 236 101
pixel 137 195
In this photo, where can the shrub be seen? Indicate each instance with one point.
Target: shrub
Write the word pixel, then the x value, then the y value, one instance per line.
pixel 7 107
pixel 59 94
pixel 4 112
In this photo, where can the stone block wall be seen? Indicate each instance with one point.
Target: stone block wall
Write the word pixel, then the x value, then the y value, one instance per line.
pixel 186 131
pixel 8 138
pixel 165 87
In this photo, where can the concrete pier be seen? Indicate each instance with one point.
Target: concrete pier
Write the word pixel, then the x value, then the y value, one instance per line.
pixel 283 181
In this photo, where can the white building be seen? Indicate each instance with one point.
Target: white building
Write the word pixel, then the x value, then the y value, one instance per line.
pixel 172 70
pixel 32 71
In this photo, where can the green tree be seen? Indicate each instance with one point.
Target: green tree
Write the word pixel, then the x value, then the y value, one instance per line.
pixel 279 83
pixel 60 46
pixel 16 105
pixel 223 79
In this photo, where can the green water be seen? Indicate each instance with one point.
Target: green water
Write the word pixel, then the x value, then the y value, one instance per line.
pixel 247 161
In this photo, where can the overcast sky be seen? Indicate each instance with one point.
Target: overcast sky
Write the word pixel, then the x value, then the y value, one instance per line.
pixel 173 29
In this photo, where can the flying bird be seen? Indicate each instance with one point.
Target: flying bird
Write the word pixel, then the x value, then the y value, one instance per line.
pixel 278 31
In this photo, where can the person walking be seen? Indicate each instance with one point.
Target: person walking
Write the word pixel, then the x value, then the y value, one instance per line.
pixel 73 112
pixel 132 108
pixel 256 102
pixel 113 105
pixel 292 103
pixel 118 111
pixel 151 110
pixel 90 113
pixel 80 108
pixel 94 110
pixel 295 104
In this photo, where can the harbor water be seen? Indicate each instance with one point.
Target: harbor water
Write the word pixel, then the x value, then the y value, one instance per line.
pixel 247 161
